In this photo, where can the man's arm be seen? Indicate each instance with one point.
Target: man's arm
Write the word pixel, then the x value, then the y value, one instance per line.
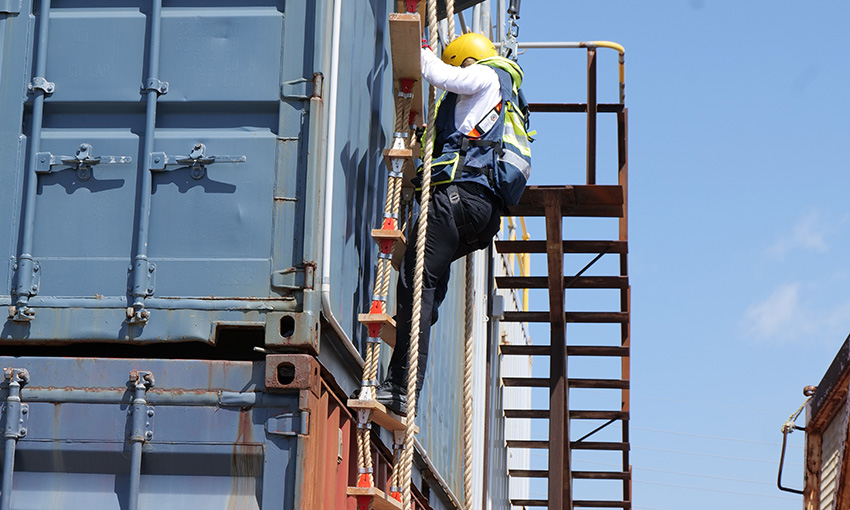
pixel 464 81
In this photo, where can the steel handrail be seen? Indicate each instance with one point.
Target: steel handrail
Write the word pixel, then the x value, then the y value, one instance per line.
pixel 590 45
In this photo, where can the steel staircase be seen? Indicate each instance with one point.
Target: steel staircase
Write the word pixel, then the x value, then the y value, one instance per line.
pixel 569 487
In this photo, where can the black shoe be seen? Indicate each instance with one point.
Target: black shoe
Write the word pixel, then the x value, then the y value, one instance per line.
pixel 392 396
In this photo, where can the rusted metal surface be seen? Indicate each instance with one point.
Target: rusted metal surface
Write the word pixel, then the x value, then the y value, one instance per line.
pixel 587 201
pixel 292 372
pixel 572 282
pixel 573 107
pixel 571 317
pixel 626 294
pixel 591 116
pixel 619 247
pixel 826 389
pixel 560 483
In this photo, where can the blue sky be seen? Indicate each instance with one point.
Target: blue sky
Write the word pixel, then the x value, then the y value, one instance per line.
pixel 738 223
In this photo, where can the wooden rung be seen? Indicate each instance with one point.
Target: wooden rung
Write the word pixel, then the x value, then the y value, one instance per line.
pixel 379 234
pixel 388 333
pixel 405 44
pixel 408 169
pixel 380 500
pixel 381 415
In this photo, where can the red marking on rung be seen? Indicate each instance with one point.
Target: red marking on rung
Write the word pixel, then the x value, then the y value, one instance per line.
pixel 363 502
pixel 389 224
pixel 411 5
pixel 364 482
pixel 406 84
pixel 396 496
pixel 377 307
pixel 374 330
pixel 386 245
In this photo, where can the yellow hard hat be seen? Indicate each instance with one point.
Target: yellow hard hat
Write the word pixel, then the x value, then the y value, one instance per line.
pixel 468 45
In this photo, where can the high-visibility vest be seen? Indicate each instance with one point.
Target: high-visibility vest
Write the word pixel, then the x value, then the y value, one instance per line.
pixel 497 152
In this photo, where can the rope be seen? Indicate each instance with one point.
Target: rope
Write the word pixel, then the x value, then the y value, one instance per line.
pixel 467 382
pixel 413 354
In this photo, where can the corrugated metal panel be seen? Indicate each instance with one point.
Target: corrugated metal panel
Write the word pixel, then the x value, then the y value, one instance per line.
pixel 503 488
pixel 233 242
pixel 364 117
pixel 441 405
pixel 832 446
pixel 217 440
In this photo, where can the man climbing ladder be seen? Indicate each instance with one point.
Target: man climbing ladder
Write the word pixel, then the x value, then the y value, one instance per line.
pixel 480 165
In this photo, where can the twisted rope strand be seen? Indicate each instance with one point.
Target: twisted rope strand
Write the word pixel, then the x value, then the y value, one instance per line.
pixel 467 382
pixel 413 354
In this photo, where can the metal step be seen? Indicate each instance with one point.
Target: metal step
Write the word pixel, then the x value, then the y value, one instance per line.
pixel 571 282
pixel 529 473
pixel 598 415
pixel 585 200
pixel 619 247
pixel 571 317
pixel 575 445
pixel 574 107
pixel 572 350
pixel 584 475
pixel 543 382
pixel 601 475
pixel 576 503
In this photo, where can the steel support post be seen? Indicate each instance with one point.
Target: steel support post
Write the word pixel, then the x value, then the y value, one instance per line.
pixel 560 479
pixel 591 115
pixel 15 428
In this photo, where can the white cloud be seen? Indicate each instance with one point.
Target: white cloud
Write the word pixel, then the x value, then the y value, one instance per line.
pixel 793 316
pixel 808 234
pixel 776 313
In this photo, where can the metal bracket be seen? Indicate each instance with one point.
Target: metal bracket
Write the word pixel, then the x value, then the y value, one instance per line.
pixel 39 83
pixel 294 278
pixel 160 87
pixel 82 161
pixel 197 160
pixel 25 314
pixel 287 424
pixel 150 268
pixel 498 310
pixel 141 315
pixel 17 413
pixel 300 89
pixel 142 414
pixel 364 418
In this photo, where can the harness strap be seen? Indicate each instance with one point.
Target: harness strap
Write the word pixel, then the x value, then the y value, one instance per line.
pixel 464 229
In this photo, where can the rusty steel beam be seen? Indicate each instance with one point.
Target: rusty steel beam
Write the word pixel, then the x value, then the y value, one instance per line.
pixel 614 247
pixel 573 107
pixel 625 294
pixel 560 482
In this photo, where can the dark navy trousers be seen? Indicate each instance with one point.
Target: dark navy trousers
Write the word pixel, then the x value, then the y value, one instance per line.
pixel 444 244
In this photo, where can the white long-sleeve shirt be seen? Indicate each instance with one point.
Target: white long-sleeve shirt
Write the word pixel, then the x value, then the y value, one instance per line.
pixel 477 88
